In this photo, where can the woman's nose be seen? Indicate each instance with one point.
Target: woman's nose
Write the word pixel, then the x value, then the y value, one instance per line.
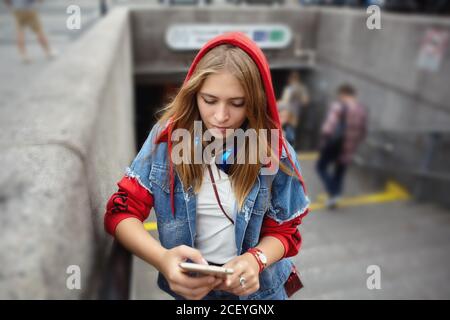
pixel 221 113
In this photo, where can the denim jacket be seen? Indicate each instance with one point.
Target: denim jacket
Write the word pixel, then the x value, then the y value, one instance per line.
pixel 284 202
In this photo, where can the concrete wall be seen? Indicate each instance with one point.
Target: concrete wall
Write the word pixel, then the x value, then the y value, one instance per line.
pixel 151 54
pixel 64 144
pixel 383 66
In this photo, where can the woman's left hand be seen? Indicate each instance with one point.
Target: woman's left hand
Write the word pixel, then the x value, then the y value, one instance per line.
pixel 244 266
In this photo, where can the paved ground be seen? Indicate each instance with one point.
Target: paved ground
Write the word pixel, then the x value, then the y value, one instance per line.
pixel 16 76
pixel 410 243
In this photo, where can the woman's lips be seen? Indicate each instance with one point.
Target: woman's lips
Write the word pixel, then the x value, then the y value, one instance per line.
pixel 221 129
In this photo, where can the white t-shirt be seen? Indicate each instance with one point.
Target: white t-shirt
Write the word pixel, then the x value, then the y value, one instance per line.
pixel 215 233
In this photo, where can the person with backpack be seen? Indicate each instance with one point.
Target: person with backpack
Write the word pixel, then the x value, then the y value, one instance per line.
pixel 343 130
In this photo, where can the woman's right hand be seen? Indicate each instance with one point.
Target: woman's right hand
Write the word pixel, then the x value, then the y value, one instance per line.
pixel 192 288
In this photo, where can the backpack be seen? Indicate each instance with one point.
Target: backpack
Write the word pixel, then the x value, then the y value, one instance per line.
pixel 336 140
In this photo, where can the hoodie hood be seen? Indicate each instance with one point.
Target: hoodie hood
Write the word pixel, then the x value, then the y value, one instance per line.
pixel 240 40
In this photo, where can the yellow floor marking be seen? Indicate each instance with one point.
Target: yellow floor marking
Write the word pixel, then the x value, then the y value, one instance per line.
pixel 392 192
pixel 150 226
pixel 308 156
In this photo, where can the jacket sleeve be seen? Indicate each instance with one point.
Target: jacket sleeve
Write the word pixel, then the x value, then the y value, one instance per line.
pixel 288 205
pixel 288 197
pixel 130 201
pixel 286 232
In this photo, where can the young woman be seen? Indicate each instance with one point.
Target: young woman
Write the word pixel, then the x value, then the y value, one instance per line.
pixel 235 215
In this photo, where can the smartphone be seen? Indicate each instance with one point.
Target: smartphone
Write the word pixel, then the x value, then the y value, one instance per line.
pixel 205 269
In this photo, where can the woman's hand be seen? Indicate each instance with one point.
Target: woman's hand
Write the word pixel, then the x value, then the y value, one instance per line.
pixel 192 288
pixel 244 266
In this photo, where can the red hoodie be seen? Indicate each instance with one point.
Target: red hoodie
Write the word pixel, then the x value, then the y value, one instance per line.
pixel 132 200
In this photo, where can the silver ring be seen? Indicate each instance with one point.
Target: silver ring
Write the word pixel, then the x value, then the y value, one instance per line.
pixel 242 281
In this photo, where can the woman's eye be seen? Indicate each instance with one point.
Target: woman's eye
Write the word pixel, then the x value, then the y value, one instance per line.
pixel 214 102
pixel 209 101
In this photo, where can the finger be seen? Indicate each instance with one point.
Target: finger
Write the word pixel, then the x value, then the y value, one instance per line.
pixel 250 281
pixel 250 287
pixel 221 276
pixel 182 291
pixel 192 254
pixel 246 291
pixel 195 293
pixel 200 293
pixel 195 282
pixel 236 286
pixel 216 284
pixel 221 286
pixel 233 279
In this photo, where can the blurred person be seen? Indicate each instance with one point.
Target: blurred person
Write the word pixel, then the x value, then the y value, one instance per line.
pixel 294 99
pixel 26 15
pixel 286 124
pixel 344 128
pixel 200 207
pixel 105 6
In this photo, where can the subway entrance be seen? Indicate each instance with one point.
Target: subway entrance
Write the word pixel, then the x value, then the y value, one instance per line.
pixel 154 91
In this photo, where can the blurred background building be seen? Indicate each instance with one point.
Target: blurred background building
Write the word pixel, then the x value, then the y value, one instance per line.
pixel 71 124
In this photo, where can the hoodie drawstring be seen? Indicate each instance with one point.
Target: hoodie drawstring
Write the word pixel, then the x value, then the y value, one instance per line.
pixel 171 175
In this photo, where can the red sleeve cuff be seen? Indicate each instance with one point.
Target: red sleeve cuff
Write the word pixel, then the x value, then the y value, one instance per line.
pixel 111 222
pixel 131 200
pixel 286 232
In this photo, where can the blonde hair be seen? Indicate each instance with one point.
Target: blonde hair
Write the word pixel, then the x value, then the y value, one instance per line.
pixel 183 111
